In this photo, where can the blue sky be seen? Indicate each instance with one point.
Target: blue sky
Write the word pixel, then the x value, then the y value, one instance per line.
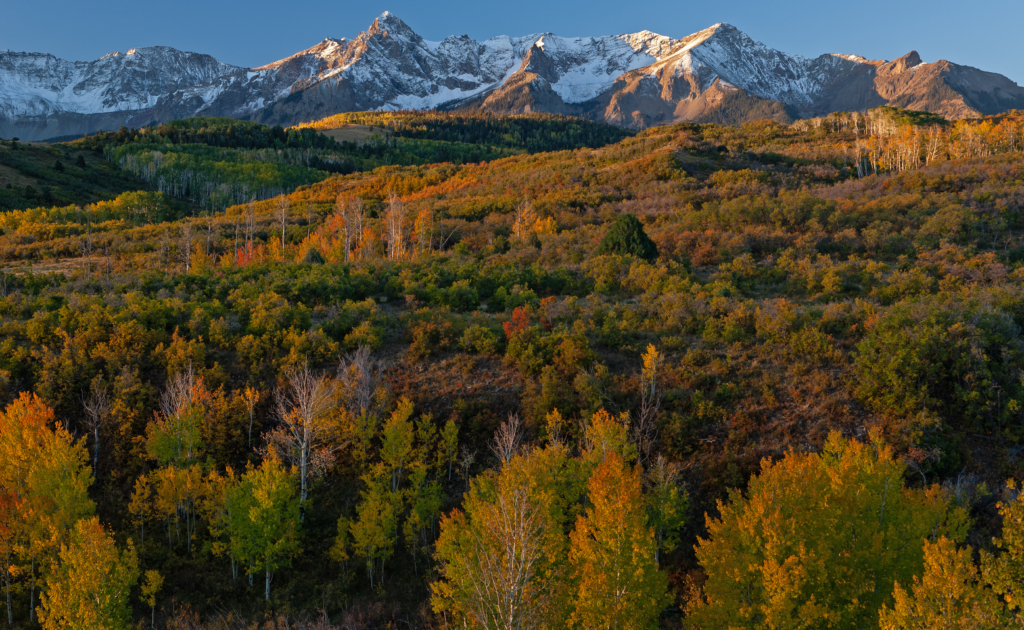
pixel 254 32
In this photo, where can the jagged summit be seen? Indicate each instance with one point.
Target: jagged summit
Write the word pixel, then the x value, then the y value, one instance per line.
pixel 390 25
pixel 636 79
pixel 906 62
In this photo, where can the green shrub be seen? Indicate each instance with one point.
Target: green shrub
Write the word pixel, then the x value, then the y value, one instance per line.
pixel 462 297
pixel 626 237
pixel 951 359
pixel 481 340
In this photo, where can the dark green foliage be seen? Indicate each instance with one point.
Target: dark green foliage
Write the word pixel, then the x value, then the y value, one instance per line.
pixel 626 237
pixel 950 360
pixel 532 132
pixel 313 257
pixel 215 132
pixel 38 164
pixel 912 117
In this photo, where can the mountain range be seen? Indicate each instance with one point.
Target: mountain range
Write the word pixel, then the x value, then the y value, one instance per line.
pixel 636 80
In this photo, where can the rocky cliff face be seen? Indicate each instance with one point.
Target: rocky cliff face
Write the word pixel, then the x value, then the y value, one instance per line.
pixel 641 79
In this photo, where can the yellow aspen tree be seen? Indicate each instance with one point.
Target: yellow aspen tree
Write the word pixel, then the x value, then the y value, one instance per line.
pixel 46 477
pixel 554 424
pixel 613 550
pixel 150 587
pixel 645 430
pixel 8 515
pixel 425 498
pixel 1005 572
pixel 395 226
pixel 603 434
pixel 426 441
pixel 397 438
pixel 251 396
pixel 140 507
pixel 90 586
pixel 424 228
pixel 339 551
pixel 818 540
pixel 948 596
pixel 502 557
pixel 523 218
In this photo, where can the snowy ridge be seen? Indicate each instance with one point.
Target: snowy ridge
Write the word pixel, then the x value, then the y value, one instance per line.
pixel 624 79
pixel 33 84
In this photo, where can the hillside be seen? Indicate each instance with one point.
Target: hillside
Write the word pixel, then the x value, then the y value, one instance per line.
pixel 608 342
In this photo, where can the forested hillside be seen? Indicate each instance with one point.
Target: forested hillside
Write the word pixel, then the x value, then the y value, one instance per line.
pixel 702 376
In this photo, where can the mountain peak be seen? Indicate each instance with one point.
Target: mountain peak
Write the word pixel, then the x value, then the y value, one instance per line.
pixel 392 25
pixel 621 79
pixel 904 63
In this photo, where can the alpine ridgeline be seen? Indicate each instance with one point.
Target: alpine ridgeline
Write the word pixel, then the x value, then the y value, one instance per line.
pixel 637 80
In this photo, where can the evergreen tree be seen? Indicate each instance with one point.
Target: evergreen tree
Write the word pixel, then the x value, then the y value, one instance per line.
pixel 626 237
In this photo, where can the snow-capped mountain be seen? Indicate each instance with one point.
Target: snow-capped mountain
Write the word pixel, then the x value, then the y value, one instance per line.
pixel 637 79
pixel 37 86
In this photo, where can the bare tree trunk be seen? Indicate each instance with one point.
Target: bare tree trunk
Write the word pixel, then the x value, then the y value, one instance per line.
pixel 7 584
pixel 97 411
pixel 32 596
pixel 302 408
pixel 282 216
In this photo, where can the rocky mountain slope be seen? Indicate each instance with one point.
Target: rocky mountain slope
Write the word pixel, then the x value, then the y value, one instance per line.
pixel 641 79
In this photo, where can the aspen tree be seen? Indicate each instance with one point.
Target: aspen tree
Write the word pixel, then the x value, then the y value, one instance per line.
pixel 350 209
pixel 395 219
pixel 613 554
pixel 185 244
pixel 175 435
pixel 97 412
pixel 283 206
pixel 818 537
pixel 141 505
pixel 305 403
pixel 502 557
pixel 448 447
pixel 264 513
pixel 150 587
pixel 397 442
pixel 8 540
pixel 666 504
pixel 523 219
pixel 949 595
pixel 216 509
pixel 645 430
pixel 90 586
pixel 46 477
pixel 425 498
pixel 375 530
pixel 251 396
